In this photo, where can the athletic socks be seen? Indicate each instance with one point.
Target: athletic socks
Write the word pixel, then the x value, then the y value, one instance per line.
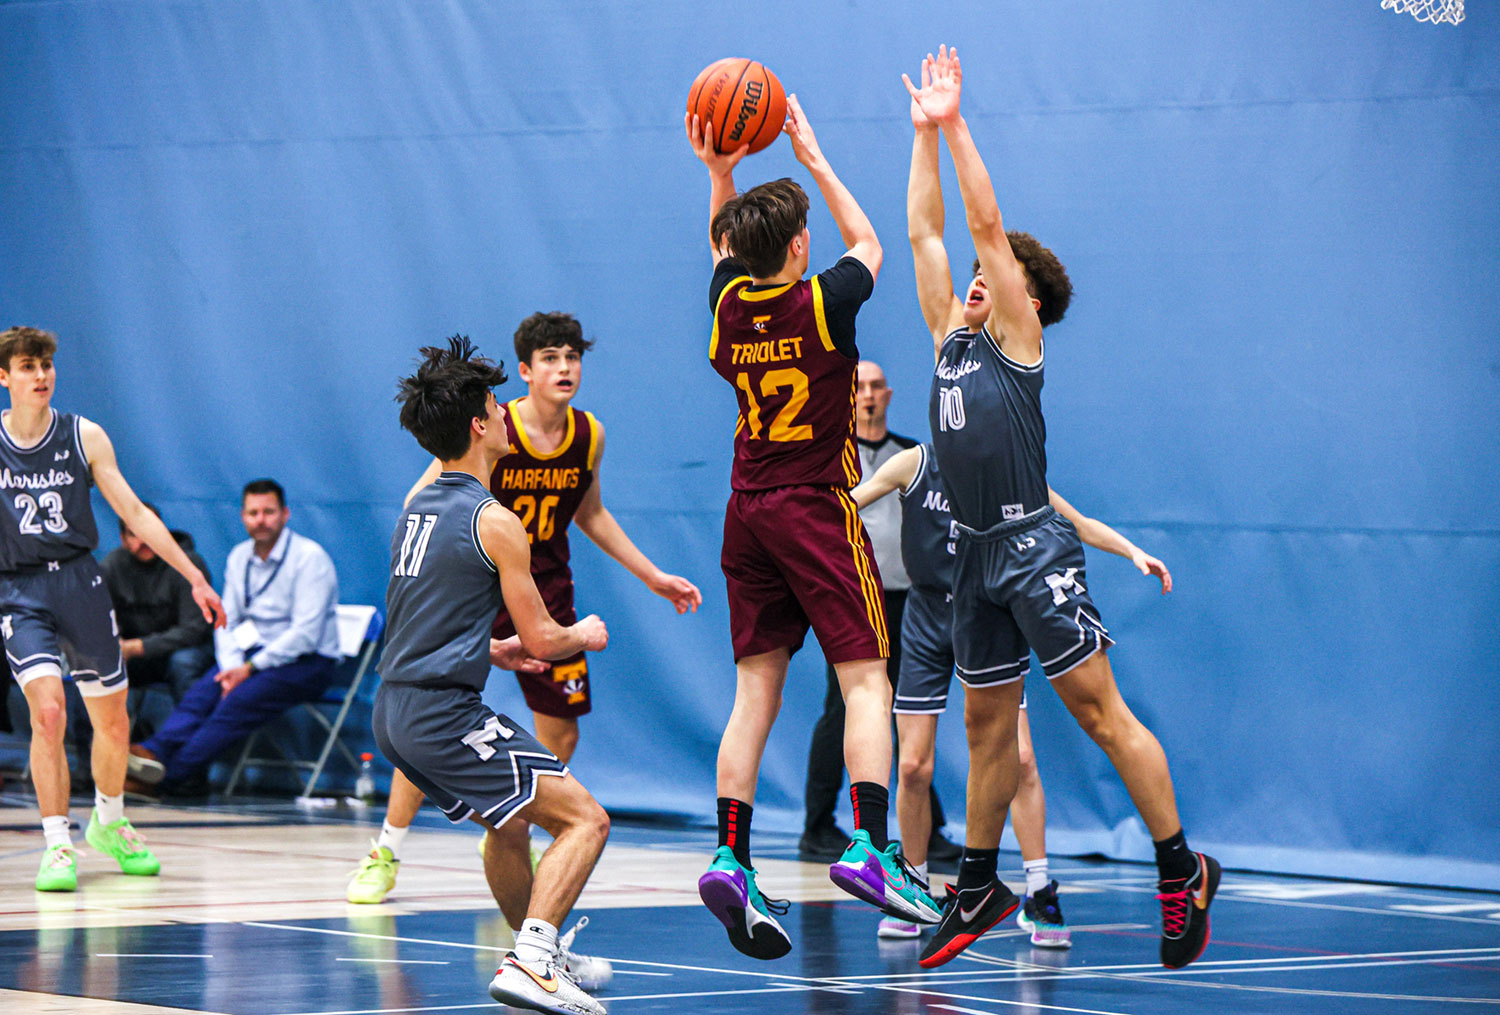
pixel 1173 860
pixel 734 828
pixel 1036 875
pixel 921 869
pixel 56 830
pixel 537 942
pixel 977 868
pixel 871 802
pixel 391 838
pixel 110 808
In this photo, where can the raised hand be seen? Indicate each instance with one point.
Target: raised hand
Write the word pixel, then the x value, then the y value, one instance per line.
pixel 718 163
pixel 918 118
pixel 800 133
pixel 942 83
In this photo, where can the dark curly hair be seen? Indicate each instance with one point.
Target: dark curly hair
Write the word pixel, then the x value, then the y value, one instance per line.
pixel 1046 278
pixel 448 392
pixel 549 331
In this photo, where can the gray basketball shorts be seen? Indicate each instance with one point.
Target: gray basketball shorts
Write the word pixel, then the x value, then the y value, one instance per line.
pixel 467 759
pixel 1021 587
pixel 926 652
pixel 62 610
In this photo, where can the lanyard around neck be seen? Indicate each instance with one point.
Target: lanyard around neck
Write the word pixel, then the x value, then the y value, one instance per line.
pixel 249 596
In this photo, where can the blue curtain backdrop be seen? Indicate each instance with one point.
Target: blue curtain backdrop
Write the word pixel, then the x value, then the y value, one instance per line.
pixel 1280 373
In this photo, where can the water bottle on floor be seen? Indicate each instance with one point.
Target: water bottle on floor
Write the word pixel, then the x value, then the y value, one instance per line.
pixel 364 786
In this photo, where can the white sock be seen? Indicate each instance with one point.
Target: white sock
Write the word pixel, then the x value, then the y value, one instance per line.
pixel 1036 875
pixel 921 869
pixel 57 831
pixel 537 942
pixel 109 808
pixel 391 837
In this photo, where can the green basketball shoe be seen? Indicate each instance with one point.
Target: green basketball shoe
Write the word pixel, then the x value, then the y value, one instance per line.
pixel 375 878
pixel 59 870
pixel 121 841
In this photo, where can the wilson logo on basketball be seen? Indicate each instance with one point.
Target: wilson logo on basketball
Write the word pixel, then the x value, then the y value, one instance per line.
pixel 749 106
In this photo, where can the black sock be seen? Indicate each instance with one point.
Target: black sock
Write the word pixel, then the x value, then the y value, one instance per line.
pixel 978 867
pixel 1173 860
pixel 871 802
pixel 734 828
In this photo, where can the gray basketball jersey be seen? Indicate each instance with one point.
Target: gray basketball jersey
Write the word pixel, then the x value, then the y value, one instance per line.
pixel 987 430
pixel 927 532
pixel 444 590
pixel 45 514
pixel 882 520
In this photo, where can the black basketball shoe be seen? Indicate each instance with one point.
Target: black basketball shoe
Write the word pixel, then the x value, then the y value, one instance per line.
pixel 966 916
pixel 1184 913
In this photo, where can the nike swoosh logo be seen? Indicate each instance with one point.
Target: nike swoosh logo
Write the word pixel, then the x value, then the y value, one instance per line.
pixel 549 984
pixel 968 914
pixel 1200 897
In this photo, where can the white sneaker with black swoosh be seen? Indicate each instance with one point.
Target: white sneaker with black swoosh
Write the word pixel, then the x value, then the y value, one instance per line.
pixel 543 987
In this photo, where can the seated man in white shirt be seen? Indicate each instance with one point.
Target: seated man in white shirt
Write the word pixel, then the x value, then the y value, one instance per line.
pixel 279 648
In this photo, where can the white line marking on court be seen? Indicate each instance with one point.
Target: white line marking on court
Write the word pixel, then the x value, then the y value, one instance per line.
pixel 408 962
pixel 1021 1004
pixel 149 955
pixel 1369 910
pixel 638 972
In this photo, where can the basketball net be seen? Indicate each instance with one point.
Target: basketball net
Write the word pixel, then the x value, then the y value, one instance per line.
pixel 1435 11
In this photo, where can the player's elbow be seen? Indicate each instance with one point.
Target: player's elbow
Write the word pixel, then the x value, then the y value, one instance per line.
pixel 985 220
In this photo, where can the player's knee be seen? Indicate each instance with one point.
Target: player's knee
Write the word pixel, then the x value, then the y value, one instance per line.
pixel 916 769
pixel 1028 761
pixel 596 823
pixel 49 720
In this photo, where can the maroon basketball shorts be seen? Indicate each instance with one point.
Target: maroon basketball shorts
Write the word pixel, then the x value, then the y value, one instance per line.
pixel 797 556
pixel 562 690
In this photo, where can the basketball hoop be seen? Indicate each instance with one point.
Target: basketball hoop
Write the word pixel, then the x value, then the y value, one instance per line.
pixel 1435 11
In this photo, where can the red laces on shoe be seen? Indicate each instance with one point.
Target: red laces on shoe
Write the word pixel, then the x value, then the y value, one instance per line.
pixel 1174 912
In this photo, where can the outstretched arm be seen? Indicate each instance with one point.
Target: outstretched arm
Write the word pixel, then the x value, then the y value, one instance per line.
pixel 895 473
pixel 142 520
pixel 854 225
pixel 941 309
pixel 720 174
pixel 594 519
pixel 1095 533
pixel 504 539
pixel 1013 317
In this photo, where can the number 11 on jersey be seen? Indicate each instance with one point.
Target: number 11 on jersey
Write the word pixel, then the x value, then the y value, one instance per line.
pixel 414 545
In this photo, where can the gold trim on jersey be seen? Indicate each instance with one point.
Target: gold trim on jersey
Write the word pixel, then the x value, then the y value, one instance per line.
pixel 765 294
pixel 515 417
pixel 713 339
pixel 819 316
pixel 850 461
pixel 593 439
pixel 854 531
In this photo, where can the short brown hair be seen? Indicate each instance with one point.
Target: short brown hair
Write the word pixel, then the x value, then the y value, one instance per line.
pixel 1046 278
pixel 555 330
pixel 760 223
pixel 21 341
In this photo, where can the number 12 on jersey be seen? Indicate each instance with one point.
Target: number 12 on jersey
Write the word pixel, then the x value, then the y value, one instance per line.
pixel 772 382
pixel 414 545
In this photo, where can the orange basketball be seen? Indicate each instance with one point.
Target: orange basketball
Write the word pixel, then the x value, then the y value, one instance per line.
pixel 738 101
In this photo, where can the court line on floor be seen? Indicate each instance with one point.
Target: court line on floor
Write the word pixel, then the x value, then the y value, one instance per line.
pixel 405 962
pixel 1232 897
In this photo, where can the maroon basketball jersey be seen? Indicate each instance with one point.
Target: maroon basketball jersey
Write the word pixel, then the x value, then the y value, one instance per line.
pixel 795 389
pixel 544 490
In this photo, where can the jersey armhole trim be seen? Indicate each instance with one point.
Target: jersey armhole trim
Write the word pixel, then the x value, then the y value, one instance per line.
pixel 593 458
pixel 88 470
pixel 820 316
pixel 474 533
pixel 713 338
pixel 916 476
pixel 1014 364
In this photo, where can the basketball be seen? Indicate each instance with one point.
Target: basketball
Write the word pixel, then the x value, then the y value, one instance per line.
pixel 739 101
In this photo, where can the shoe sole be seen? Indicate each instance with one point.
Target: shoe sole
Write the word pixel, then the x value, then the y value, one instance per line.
pixel 518 1000
pixel 1215 874
pixel 147 770
pixel 1033 928
pixel 761 939
pixel 100 848
pixel 951 950
pixel 860 882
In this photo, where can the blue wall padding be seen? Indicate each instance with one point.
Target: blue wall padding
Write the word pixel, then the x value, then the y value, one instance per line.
pixel 1280 373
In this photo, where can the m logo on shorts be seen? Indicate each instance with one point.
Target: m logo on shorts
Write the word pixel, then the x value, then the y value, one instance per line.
pixel 1061 584
pixel 487 734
